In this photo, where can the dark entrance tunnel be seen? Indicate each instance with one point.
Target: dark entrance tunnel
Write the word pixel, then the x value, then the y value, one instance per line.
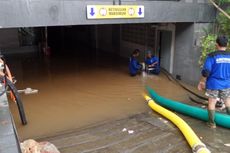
pixel 88 44
pixel 71 38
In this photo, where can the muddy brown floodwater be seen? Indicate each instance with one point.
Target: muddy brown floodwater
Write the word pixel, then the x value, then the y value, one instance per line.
pixel 73 92
pixel 77 91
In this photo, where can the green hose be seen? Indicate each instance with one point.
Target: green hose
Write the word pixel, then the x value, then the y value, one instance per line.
pixel 199 113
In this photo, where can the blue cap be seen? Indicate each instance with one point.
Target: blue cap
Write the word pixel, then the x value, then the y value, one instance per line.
pixel 149 52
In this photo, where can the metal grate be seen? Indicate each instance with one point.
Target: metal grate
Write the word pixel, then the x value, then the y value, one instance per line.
pixel 143 34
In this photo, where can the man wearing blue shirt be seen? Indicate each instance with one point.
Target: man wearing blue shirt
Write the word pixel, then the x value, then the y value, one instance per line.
pixel 216 78
pixel 152 63
pixel 134 66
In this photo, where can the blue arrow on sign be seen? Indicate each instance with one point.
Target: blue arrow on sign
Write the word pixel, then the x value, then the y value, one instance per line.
pixel 140 11
pixel 92 12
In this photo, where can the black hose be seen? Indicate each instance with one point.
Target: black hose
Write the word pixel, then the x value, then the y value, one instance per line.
pixel 18 101
pixel 171 78
pixel 196 101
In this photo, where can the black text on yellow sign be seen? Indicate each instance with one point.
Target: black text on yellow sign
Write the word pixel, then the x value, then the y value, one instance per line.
pixel 115 11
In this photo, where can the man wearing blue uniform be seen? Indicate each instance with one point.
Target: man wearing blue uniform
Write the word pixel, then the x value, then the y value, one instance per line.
pixel 134 66
pixel 152 63
pixel 216 78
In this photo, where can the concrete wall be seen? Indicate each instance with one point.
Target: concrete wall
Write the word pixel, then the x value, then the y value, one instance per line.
pixel 187 51
pixel 9 42
pixel 9 38
pixel 31 13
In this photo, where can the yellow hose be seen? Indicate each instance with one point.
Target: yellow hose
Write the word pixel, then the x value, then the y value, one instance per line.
pixel 195 143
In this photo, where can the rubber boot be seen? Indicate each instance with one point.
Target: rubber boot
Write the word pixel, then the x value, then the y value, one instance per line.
pixel 228 110
pixel 211 119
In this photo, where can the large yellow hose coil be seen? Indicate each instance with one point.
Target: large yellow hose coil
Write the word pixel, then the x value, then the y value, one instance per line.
pixel 195 143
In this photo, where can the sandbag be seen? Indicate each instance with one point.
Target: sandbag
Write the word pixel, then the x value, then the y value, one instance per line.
pixel 31 146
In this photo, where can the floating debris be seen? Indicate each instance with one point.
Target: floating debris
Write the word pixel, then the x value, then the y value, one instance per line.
pixel 28 91
pixel 227 144
pixel 130 131
pixel 123 130
pixel 165 121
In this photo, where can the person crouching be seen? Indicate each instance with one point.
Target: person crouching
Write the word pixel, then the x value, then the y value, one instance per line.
pixel 152 63
pixel 134 66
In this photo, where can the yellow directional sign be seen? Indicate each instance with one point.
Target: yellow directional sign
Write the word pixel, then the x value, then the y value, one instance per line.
pixel 115 11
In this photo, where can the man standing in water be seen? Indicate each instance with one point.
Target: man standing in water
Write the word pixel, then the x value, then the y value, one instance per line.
pixel 134 66
pixel 216 78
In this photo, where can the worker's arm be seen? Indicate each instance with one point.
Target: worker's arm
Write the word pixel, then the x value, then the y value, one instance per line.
pixel 2 74
pixel 156 61
pixel 207 68
pixel 9 76
pixel 1 71
pixel 7 71
pixel 154 64
pixel 202 83
pixel 136 65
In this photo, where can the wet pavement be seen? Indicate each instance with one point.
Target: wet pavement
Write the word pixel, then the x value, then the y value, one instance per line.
pixel 151 133
pixel 95 99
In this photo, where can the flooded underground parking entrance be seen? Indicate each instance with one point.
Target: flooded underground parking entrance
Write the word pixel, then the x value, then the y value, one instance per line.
pixel 86 99
pixel 78 84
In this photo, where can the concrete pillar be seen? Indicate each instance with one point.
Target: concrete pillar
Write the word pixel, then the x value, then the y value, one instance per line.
pixel 187 51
